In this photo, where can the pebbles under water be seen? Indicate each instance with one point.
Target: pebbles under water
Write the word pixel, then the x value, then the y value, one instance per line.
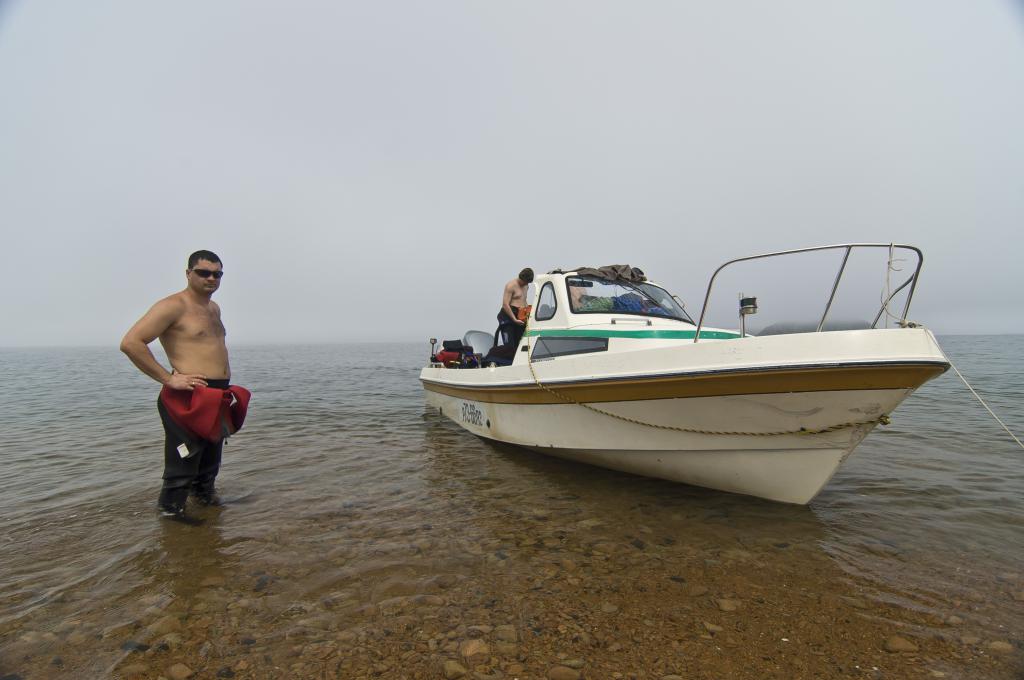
pixel 366 537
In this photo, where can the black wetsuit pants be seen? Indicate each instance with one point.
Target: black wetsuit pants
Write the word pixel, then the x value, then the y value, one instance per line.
pixel 509 325
pixel 195 474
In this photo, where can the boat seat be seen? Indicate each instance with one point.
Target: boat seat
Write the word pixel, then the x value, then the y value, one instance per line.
pixel 480 341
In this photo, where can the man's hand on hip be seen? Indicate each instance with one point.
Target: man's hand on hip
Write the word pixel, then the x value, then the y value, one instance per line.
pixel 186 381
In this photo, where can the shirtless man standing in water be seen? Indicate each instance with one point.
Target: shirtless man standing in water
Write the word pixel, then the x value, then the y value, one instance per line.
pixel 189 328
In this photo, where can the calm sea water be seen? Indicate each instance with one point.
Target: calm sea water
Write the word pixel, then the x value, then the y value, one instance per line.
pixel 340 464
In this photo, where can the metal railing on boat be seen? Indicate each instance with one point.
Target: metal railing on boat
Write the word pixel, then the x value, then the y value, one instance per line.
pixel 848 248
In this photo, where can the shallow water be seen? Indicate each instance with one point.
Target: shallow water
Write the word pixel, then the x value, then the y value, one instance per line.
pixel 366 537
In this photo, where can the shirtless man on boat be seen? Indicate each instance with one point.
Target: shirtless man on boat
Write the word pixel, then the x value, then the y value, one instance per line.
pixel 189 328
pixel 512 300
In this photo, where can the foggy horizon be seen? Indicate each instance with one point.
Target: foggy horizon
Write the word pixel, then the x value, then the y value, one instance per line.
pixel 376 173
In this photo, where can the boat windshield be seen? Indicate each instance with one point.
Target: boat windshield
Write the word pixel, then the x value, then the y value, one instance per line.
pixel 589 295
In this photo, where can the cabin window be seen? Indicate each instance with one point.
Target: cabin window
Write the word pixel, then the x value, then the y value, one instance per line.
pixel 549 348
pixel 546 303
pixel 589 295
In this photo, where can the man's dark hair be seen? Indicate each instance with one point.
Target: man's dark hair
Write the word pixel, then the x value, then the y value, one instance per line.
pixel 526 275
pixel 207 255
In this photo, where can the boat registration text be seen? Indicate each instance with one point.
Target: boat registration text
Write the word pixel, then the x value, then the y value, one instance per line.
pixel 472 414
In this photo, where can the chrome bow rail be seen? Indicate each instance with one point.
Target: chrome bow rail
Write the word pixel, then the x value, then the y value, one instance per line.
pixel 848 247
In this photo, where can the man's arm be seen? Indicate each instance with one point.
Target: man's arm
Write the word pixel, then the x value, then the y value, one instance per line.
pixel 135 344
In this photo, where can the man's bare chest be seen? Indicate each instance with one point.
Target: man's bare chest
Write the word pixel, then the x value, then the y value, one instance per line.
pixel 199 325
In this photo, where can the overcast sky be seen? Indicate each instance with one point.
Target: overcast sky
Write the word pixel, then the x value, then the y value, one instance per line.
pixel 378 170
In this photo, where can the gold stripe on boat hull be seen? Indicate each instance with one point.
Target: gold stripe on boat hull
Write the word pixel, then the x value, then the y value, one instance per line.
pixel 770 381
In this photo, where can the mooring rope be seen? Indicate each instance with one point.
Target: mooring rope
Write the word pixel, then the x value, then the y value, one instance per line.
pixel 881 420
pixel 982 401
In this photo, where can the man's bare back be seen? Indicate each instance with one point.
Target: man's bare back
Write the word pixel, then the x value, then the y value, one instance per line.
pixel 189 328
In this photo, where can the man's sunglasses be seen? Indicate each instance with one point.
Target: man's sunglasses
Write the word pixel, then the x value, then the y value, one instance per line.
pixel 207 273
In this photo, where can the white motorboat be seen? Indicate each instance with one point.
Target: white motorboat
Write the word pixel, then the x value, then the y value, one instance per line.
pixel 612 371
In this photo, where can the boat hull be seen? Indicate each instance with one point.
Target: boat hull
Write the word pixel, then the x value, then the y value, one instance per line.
pixel 778 430
pixel 790 468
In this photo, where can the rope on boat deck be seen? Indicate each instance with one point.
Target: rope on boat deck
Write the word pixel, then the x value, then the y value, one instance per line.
pixel 881 420
pixel 982 401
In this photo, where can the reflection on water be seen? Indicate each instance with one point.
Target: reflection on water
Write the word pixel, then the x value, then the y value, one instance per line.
pixel 368 537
